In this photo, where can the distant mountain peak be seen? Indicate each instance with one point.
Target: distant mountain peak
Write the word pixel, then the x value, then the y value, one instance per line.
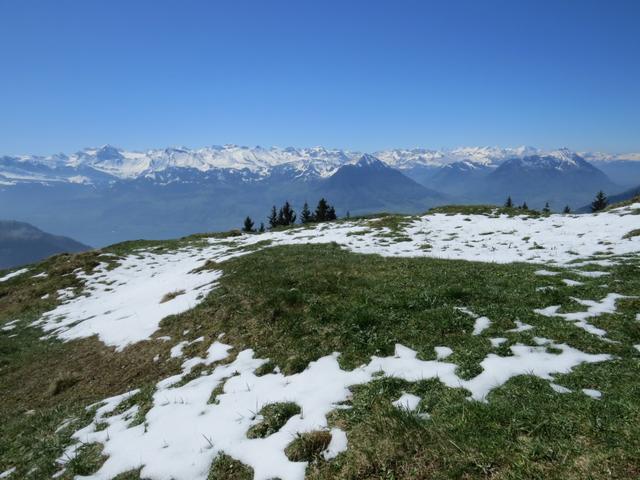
pixel 368 160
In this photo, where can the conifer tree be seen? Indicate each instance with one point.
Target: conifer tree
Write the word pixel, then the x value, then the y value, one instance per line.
pixel 525 206
pixel 305 215
pixel 566 209
pixel 509 202
pixel 286 215
pixel 331 213
pixel 600 202
pixel 248 225
pixel 273 218
pixel 546 208
pixel 261 229
pixel 321 210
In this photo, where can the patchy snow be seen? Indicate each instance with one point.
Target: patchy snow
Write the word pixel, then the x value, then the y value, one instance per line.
pixel 590 274
pixel 520 327
pixel 182 424
pixel 442 352
pixel 480 325
pixel 571 283
pixel 595 309
pixel 496 342
pixel 11 275
pixel 9 326
pixel 176 351
pixel 8 472
pixel 407 401
pixel 123 305
pixel 337 445
pixel 597 394
pixel 546 273
pixel 559 388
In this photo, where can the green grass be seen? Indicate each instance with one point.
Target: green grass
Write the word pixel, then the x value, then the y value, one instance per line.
pixel 294 304
pixel 275 416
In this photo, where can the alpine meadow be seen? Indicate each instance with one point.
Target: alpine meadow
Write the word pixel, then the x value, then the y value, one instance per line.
pixel 320 240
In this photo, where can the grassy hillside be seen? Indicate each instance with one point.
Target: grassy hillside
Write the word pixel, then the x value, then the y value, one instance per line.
pixel 296 303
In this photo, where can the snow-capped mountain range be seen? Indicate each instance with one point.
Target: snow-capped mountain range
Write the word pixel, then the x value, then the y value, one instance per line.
pixel 108 163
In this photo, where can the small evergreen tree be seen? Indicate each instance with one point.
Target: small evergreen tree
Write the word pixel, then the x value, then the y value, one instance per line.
pixel 286 215
pixel 331 213
pixel 546 208
pixel 261 229
pixel 248 225
pixel 321 210
pixel 509 202
pixel 348 214
pixel 525 206
pixel 305 215
pixel 273 218
pixel 566 209
pixel 600 202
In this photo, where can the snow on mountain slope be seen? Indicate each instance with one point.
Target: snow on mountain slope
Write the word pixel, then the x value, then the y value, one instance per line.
pixel 120 164
pixel 124 300
pixel 133 291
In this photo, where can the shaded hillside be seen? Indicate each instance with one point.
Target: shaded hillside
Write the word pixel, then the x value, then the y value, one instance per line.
pixel 22 243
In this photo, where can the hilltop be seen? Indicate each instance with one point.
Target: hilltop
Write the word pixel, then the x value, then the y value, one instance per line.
pixel 468 342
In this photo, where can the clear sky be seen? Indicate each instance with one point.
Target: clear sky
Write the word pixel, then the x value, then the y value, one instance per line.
pixel 351 74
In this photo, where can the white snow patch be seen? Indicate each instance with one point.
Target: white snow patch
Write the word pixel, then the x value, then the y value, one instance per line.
pixel 592 274
pixel 7 473
pixel 571 283
pixel 597 394
pixel 480 325
pixel 442 352
pixel 559 388
pixel 11 275
pixel 520 327
pixel 595 309
pixel 122 306
pixel 546 273
pixel 496 342
pixel 337 445
pixel 407 401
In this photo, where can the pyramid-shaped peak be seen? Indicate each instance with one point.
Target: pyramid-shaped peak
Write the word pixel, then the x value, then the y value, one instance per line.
pixel 368 160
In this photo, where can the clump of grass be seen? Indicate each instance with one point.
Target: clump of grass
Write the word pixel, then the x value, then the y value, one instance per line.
pixel 86 461
pixel 308 447
pixel 274 417
pixel 226 468
pixel 62 383
pixel 632 233
pixel 171 295
pixel 265 368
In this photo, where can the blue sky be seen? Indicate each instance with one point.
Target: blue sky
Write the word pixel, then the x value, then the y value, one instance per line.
pixel 352 74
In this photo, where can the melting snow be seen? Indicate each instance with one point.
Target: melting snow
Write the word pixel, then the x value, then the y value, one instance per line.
pixel 7 473
pixel 182 424
pixel 9 276
pixel 442 352
pixel 597 394
pixel 595 309
pixel 407 401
